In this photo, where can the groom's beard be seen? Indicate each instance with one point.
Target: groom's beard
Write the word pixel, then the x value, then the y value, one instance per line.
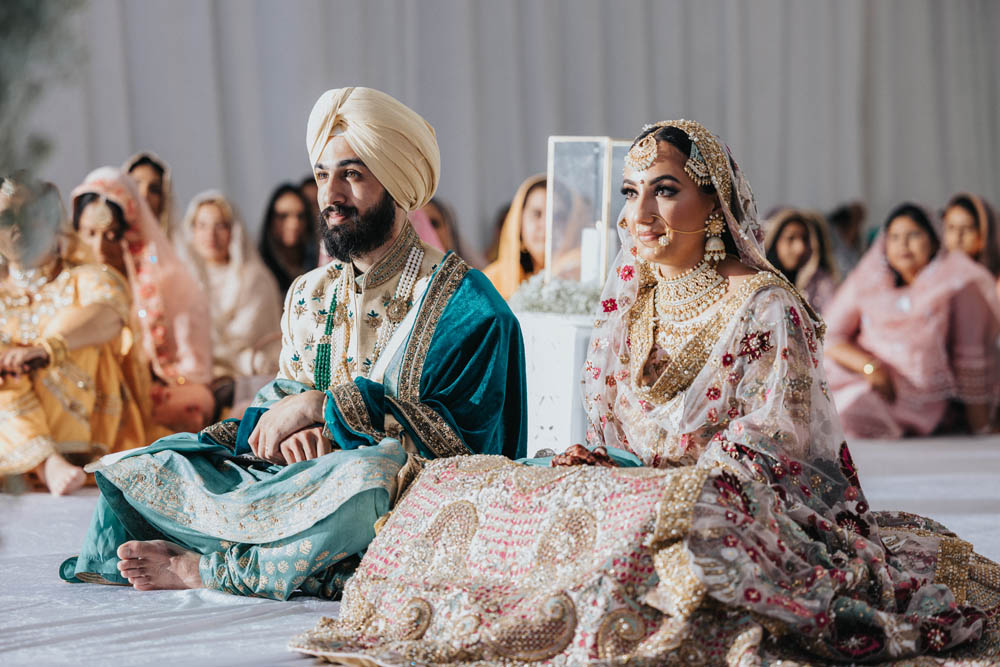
pixel 361 233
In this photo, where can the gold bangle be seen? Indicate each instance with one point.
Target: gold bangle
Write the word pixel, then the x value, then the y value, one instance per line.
pixel 326 427
pixel 868 368
pixel 56 349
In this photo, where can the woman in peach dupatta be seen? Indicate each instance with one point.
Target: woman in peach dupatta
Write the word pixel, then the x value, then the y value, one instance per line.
pixel 167 302
pixel 521 253
pixel 913 328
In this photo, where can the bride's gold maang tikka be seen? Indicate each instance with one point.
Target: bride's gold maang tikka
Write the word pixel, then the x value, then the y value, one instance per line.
pixel 706 165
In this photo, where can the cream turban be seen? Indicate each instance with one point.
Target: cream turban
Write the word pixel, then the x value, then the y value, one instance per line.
pixel 394 142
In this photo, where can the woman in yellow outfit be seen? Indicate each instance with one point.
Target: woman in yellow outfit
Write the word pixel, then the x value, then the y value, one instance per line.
pixel 70 387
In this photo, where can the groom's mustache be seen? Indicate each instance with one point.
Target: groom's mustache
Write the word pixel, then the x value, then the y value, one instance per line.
pixel 343 211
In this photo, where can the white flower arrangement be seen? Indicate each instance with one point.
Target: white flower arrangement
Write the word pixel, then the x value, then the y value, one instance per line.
pixel 566 297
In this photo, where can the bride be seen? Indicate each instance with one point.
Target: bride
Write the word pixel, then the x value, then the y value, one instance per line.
pixel 718 504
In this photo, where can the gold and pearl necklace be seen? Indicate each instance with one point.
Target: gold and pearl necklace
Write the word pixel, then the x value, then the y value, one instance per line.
pixel 688 295
pixel 681 301
pixel 399 305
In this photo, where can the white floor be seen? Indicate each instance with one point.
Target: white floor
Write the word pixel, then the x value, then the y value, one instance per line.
pixel 44 621
pixel 953 480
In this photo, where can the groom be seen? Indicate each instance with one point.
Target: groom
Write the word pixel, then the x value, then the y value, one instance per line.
pixel 392 353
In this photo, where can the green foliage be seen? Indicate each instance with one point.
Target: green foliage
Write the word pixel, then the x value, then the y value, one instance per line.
pixel 37 47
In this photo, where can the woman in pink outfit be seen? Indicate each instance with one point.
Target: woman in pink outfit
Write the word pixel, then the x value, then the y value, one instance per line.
pixel 970 226
pixel 913 329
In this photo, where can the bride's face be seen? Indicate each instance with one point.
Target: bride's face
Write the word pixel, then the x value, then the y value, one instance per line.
pixel 662 196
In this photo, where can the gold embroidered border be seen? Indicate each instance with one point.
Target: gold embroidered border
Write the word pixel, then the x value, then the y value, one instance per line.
pixel 75 375
pixel 71 406
pixel 674 515
pixel 431 427
pixel 619 633
pixel 679 592
pixel 953 566
pixel 392 264
pixel 224 433
pixel 746 642
pixel 352 407
pixel 695 353
pixel 108 404
pixel 95 578
pixel 446 280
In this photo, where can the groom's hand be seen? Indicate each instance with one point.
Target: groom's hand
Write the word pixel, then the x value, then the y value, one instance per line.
pixel 286 417
pixel 307 444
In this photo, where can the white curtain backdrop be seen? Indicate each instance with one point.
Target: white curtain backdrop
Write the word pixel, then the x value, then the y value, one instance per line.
pixel 820 100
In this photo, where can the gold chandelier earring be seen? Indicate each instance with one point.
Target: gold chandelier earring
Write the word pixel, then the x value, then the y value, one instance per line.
pixel 715 248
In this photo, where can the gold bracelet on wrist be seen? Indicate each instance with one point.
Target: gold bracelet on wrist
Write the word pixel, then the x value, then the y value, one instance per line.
pixel 326 427
pixel 56 349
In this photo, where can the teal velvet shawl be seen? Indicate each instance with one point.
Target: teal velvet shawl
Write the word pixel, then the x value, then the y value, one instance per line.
pixel 458 384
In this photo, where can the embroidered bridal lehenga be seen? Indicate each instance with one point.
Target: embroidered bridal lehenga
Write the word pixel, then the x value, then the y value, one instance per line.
pixel 736 517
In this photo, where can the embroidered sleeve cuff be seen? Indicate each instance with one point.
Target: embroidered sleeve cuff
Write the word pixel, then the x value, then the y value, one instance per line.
pixel 345 405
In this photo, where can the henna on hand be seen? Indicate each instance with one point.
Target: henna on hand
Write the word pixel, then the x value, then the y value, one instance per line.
pixel 580 455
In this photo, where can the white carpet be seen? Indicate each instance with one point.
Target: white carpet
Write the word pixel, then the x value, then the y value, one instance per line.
pixel 44 621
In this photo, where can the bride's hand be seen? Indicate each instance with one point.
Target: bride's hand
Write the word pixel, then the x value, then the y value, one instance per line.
pixel 578 455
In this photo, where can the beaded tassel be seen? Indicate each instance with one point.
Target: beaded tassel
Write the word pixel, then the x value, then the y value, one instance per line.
pixel 321 372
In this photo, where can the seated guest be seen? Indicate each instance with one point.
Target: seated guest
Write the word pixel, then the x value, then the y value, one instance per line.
pixel 168 304
pixel 99 223
pixel 797 245
pixel 242 293
pixel 391 354
pixel 911 328
pixel 63 394
pixel 442 219
pixel 152 177
pixel 970 226
pixel 846 224
pixel 521 251
pixel 287 238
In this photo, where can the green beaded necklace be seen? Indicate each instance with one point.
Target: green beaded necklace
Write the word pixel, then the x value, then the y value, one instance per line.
pixel 321 370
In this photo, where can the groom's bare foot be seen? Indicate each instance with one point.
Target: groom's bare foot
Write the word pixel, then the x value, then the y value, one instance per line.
pixel 60 476
pixel 159 565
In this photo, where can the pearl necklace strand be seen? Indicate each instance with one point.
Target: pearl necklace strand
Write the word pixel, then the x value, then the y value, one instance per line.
pixel 31 280
pixel 400 303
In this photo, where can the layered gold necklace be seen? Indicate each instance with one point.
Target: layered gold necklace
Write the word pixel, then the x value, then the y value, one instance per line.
pixel 680 302
pixel 690 294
